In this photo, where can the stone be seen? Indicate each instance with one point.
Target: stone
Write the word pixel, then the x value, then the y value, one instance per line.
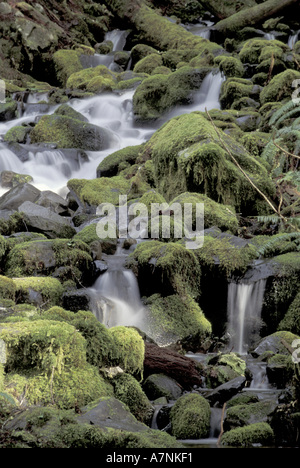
pixel 15 197
pixel 159 385
pixel 226 391
pixel 44 220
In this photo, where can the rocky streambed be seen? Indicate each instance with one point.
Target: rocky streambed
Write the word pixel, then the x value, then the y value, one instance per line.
pixel 121 342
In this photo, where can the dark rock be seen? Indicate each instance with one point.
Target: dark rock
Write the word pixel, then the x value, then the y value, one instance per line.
pixel 226 391
pixel 76 300
pixel 159 385
pixel 44 220
pixel 110 412
pixel 172 364
pixel 15 197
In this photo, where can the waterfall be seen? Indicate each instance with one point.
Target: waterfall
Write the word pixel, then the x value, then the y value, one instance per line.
pixel 115 296
pixel 8 161
pixel 293 39
pixel 244 313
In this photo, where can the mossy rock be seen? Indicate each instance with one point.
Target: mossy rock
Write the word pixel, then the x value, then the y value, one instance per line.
pixel 249 436
pixel 176 269
pixel 221 251
pixel 279 88
pixel 234 89
pixel 187 156
pixel 160 93
pixel 190 417
pixel 114 163
pixel 174 317
pixel 94 80
pixel 71 258
pixel 255 50
pixel 140 51
pixel 17 134
pixel 8 110
pixel 66 62
pixel 230 66
pixel 215 214
pixel 7 288
pixel 128 390
pixel 129 350
pixel 68 132
pixel 148 64
pixel 39 290
pixel 291 320
pixel 108 189
pixel 250 413
pixel 223 368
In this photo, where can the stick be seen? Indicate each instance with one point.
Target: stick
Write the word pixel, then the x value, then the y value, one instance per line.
pixel 222 423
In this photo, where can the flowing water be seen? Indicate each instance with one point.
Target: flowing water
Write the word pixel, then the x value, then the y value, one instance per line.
pixel 244 314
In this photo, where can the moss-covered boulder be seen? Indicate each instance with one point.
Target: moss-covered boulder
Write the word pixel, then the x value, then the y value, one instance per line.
pixel 215 214
pixel 160 385
pixel 113 164
pixel 94 80
pixel 39 291
pixel 291 320
pixel 129 350
pixel 175 317
pixel 249 436
pixel 280 87
pixel 223 368
pixel 161 92
pixel 7 288
pixel 187 156
pixel 190 417
pixel 251 413
pixel 68 132
pixel 66 62
pixel 128 390
pixel 64 259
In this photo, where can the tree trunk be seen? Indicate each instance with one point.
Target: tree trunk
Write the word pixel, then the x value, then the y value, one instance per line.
pixel 252 16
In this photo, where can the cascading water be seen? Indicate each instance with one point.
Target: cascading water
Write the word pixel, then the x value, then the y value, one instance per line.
pixel 115 296
pixel 293 39
pixel 244 314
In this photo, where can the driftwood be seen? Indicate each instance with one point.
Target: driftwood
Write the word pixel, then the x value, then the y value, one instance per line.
pixel 164 361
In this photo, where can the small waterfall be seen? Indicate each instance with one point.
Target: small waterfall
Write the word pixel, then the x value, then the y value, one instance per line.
pixel 293 39
pixel 269 37
pixel 8 160
pixel 202 29
pixel 115 296
pixel 118 38
pixel 244 314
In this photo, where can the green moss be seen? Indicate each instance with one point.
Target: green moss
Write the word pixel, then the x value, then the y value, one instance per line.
pixel 7 288
pixel 67 132
pixel 66 63
pixel 50 290
pixel 93 80
pixel 112 164
pixel 190 417
pixel 291 320
pixel 234 89
pixel 279 87
pixel 103 190
pixel 230 66
pixel 174 318
pixel 259 433
pixel 176 267
pixel 17 134
pixel 129 391
pixel 148 63
pixel 230 259
pixel 159 93
pixel 215 214
pixel 129 349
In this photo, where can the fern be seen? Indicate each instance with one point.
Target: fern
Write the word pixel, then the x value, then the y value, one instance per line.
pixel 268 248
pixel 288 110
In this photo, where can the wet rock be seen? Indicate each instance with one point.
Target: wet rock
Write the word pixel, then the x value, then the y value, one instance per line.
pixel 15 197
pixel 44 220
pixel 159 385
pixel 226 391
pixel 110 412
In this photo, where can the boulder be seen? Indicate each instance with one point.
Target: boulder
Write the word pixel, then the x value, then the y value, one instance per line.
pixel 44 220
pixel 15 197
pixel 159 385
pixel 226 391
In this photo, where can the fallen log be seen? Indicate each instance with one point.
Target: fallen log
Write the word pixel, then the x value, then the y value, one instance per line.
pixel 164 361
pixel 252 16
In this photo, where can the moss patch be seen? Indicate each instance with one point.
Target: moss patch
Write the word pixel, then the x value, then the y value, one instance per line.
pixel 190 417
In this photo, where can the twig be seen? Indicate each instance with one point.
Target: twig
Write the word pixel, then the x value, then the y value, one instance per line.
pixel 243 172
pixel 285 151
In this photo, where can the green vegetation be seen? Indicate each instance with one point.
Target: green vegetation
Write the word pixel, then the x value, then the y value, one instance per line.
pixel 190 417
pixel 247 436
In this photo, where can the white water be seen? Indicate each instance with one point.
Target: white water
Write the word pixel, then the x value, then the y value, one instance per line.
pixel 116 296
pixel 244 314
pixel 293 39
pixel 202 29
